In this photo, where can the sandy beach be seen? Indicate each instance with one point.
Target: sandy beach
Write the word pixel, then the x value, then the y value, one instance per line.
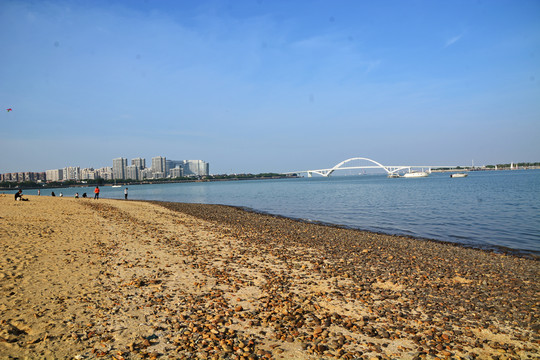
pixel 114 279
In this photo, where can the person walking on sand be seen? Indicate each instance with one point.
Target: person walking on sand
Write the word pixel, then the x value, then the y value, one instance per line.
pixel 96 193
pixel 125 194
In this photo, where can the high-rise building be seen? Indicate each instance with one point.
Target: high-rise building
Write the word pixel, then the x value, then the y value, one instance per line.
pixel 159 165
pixel 195 168
pixel 72 173
pixel 41 176
pixel 5 177
pixel 55 175
pixel 23 176
pixel 132 172
pixel 171 164
pixel 119 168
pixel 88 174
pixel 105 173
pixel 140 163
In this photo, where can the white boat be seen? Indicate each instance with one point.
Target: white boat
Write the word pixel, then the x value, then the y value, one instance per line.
pixel 415 174
pixel 116 186
pixel 458 175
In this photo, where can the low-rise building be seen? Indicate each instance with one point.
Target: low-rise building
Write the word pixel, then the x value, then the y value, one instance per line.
pixel 176 172
pixel 105 173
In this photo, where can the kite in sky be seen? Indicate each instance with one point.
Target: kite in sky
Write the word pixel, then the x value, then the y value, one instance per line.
pixel 10 109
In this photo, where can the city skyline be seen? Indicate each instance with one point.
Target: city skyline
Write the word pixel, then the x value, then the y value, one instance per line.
pixel 120 170
pixel 269 86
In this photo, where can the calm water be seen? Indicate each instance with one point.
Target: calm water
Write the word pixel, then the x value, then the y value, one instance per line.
pixel 486 209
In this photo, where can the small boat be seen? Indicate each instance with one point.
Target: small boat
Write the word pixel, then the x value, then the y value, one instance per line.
pixel 415 174
pixel 116 186
pixel 393 175
pixel 458 175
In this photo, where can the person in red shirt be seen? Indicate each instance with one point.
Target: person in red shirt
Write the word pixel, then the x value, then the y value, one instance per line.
pixel 96 193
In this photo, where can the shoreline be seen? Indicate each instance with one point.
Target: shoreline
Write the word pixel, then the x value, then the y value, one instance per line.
pixel 525 253
pixel 149 182
pixel 499 249
pixel 137 279
pixel 448 221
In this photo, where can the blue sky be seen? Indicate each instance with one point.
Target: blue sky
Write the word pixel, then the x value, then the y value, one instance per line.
pixel 257 86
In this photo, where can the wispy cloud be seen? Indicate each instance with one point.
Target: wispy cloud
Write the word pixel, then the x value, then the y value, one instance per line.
pixel 453 40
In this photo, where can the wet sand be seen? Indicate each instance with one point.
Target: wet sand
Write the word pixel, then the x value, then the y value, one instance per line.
pixel 117 279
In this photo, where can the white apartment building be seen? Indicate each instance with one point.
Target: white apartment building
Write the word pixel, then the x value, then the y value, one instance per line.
pixel 88 174
pixel 176 172
pixel 105 173
pixel 139 162
pixel 195 168
pixel 119 168
pixel 54 175
pixel 132 172
pixel 159 165
pixel 146 174
pixel 190 167
pixel 72 173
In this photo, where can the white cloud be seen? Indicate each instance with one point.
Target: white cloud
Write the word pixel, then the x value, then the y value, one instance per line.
pixel 453 40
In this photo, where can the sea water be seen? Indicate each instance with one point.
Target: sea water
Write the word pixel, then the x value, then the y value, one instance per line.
pixel 487 209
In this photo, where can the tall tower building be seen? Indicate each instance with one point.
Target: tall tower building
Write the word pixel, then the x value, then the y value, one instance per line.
pixel 132 172
pixel 72 173
pixel 159 165
pixel 140 163
pixel 119 168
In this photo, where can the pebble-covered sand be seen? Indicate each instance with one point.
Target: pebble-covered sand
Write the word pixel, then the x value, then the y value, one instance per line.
pixel 114 279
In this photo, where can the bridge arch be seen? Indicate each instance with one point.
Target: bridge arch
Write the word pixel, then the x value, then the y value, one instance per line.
pixel 391 170
pixel 336 167
pixel 328 172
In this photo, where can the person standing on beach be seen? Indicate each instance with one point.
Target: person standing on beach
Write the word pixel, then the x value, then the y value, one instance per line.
pixel 38 192
pixel 96 193
pixel 125 193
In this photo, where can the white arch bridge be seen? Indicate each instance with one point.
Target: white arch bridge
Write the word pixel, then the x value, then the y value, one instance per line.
pixel 392 170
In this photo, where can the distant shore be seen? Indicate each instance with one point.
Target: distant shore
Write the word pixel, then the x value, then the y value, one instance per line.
pixel 17 186
pixel 133 279
pixel 146 182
